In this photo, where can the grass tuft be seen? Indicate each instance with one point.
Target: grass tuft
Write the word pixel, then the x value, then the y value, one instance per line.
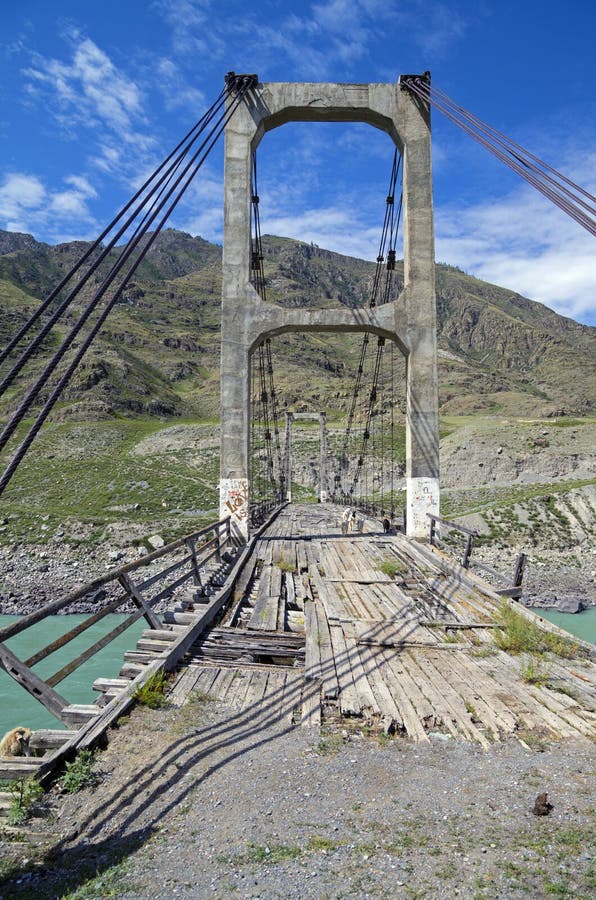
pixel 392 567
pixel 152 693
pixel 533 672
pixel 79 773
pixel 25 793
pixel 516 634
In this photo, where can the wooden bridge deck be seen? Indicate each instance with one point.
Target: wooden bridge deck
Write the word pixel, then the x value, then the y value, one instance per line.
pixel 319 632
pixel 364 631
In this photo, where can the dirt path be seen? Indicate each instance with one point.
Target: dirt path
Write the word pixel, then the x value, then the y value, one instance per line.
pixel 207 801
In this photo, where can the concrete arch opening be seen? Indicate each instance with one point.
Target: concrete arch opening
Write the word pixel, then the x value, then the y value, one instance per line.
pixel 409 321
pixel 341 173
pixel 313 369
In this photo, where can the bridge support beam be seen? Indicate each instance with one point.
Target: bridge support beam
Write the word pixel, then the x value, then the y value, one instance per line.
pixel 409 321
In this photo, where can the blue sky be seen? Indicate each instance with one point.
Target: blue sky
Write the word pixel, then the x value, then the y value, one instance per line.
pixel 95 95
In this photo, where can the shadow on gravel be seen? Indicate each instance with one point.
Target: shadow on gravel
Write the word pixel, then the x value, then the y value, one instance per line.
pixel 150 797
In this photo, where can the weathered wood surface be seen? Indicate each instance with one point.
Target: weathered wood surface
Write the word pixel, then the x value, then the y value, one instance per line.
pixel 139 665
pixel 408 649
pixel 309 626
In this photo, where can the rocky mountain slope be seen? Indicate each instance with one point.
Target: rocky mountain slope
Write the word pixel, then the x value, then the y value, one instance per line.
pixel 158 353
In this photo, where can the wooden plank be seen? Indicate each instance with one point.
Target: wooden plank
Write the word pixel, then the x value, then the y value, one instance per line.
pixel 205 681
pixel 137 597
pixel 408 712
pixel 349 703
pixel 238 687
pixel 79 712
pixel 571 713
pixel 473 685
pixel 261 617
pixel 222 683
pixel 291 699
pixel 153 646
pixel 311 705
pixel 13 769
pixel 328 673
pixel 395 634
pixel 274 692
pixel 246 576
pixel 171 617
pixel 277 606
pixel 327 594
pixel 474 702
pixel 514 693
pixel 160 634
pixel 366 696
pixel 387 706
pixel 255 690
pixel 143 657
pixel 39 689
pixel 312 657
pixel 130 670
pixel 109 684
pixel 180 690
pixel 44 738
pixel 450 698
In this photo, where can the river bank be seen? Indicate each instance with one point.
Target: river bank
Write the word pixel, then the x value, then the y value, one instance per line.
pixel 34 574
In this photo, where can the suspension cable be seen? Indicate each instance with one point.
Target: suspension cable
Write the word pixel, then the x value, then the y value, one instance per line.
pixel 562 191
pixel 269 407
pixel 237 87
pixel 197 128
pixel 116 268
pixel 384 274
pixel 388 233
pixel 154 195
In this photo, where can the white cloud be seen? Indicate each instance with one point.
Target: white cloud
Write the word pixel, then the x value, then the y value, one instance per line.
pixel 20 193
pixel 323 40
pixel 194 28
pixel 523 242
pixel 201 210
pixel 333 228
pixel 89 89
pixel 27 205
pixel 82 185
pixel 90 93
pixel 177 93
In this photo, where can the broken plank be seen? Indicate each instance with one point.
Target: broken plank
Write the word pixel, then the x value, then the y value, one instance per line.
pixel 349 703
pixel 311 705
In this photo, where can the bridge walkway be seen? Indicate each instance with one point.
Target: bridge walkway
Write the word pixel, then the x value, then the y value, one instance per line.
pixel 373 631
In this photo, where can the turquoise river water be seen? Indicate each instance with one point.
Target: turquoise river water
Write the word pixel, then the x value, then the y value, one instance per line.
pixel 17 707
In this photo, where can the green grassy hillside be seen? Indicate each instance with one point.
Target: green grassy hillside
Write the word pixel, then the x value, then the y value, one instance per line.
pixel 158 353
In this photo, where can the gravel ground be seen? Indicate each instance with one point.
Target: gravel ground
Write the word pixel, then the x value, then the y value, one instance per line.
pixel 209 802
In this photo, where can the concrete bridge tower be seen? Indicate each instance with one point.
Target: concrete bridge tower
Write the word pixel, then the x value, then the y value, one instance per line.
pixel 409 321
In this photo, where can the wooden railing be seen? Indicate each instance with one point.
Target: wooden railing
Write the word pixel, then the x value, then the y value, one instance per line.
pixel 437 524
pixel 199 548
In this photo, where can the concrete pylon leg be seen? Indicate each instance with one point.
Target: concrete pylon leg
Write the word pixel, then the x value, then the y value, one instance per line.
pixel 235 430
pixel 323 458
pixel 422 429
pixel 409 320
